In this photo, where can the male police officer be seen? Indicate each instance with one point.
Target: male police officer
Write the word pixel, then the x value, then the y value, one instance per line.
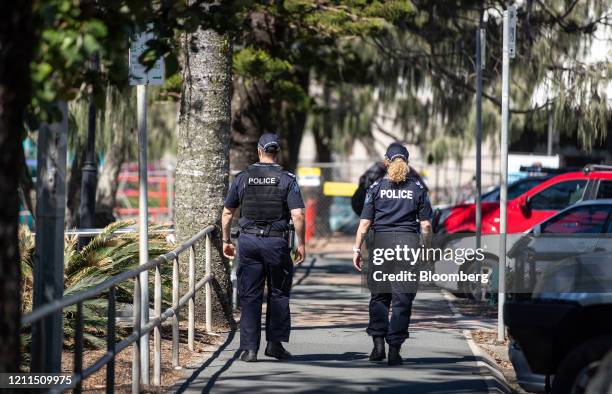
pixel 268 197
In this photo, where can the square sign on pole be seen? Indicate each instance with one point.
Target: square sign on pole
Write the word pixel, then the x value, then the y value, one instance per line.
pixel 139 75
pixel 483 48
pixel 512 31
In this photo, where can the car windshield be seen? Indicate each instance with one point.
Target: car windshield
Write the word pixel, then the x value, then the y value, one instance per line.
pixel 515 189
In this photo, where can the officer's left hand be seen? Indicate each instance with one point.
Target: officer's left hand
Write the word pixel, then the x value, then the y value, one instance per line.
pixel 300 255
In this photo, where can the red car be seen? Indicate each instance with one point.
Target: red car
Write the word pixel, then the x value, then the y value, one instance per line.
pixel 536 204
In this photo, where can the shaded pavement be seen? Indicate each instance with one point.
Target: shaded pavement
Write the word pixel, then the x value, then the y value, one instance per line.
pixel 331 348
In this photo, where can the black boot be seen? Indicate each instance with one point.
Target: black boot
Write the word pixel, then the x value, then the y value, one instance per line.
pixel 394 356
pixel 249 356
pixel 276 350
pixel 378 353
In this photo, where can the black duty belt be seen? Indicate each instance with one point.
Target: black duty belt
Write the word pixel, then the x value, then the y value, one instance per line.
pixel 262 232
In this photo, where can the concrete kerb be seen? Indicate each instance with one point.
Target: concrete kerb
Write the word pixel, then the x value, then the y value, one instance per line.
pixel 484 361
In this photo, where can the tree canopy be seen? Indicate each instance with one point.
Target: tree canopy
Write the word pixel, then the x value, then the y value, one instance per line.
pixel 424 72
pixel 342 66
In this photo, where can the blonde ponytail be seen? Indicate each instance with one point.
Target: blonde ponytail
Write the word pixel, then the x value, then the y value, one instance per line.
pixel 397 170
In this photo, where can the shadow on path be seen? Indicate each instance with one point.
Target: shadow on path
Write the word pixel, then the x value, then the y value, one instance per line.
pixel 210 360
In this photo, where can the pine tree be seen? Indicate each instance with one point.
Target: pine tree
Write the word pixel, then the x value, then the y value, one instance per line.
pixel 203 155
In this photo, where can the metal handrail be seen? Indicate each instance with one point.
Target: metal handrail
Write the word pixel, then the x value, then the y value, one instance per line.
pixel 91 232
pixel 88 232
pixel 108 359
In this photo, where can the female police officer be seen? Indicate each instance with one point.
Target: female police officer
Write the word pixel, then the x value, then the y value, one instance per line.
pixel 396 207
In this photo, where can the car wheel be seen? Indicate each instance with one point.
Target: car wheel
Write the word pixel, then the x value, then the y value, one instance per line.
pixel 474 289
pixel 579 366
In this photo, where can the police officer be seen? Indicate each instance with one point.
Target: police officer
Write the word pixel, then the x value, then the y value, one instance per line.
pixel 397 208
pixel 268 197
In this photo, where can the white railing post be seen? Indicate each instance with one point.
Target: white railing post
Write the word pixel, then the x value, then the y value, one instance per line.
pixel 136 329
pixel 175 318
pixel 157 330
pixel 207 286
pixel 191 318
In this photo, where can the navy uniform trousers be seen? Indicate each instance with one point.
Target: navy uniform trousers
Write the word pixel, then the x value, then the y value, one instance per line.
pixel 264 259
pixel 395 296
pixel 395 330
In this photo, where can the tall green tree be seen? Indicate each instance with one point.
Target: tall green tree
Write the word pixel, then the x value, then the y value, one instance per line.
pixel 281 46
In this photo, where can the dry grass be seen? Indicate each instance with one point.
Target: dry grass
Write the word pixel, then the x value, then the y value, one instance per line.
pixel 488 343
pixel 487 340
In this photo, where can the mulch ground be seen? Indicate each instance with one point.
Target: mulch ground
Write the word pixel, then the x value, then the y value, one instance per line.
pixel 204 345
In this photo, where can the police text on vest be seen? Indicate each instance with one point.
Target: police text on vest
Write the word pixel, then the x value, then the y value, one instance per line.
pixel 396 193
pixel 262 181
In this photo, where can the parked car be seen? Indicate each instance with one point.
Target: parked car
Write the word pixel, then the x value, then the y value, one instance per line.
pixel 536 204
pixel 342 218
pixel 563 330
pixel 579 229
pixel 515 189
pixel 560 325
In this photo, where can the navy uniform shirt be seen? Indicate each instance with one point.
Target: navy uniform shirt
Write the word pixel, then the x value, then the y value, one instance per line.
pixel 287 181
pixel 397 206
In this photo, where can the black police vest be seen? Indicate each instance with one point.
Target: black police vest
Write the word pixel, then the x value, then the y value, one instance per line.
pixel 264 200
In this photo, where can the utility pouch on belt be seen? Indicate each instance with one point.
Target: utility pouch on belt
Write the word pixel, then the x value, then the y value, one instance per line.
pixel 263 200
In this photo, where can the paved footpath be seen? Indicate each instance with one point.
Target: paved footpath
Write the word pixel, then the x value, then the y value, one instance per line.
pixel 330 347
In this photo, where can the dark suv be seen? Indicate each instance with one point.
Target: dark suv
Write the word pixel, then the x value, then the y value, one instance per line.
pixel 561 326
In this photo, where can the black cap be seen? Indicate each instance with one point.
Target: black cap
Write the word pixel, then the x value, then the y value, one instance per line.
pixel 269 142
pixel 396 150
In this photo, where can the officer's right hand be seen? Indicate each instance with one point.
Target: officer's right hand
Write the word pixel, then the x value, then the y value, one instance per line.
pixel 229 250
pixel 357 261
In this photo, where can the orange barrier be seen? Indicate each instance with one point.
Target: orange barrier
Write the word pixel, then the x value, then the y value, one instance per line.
pixel 311 216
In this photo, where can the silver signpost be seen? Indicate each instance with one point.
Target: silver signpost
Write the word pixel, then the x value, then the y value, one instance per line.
pixel 479 62
pixel 141 76
pixel 509 35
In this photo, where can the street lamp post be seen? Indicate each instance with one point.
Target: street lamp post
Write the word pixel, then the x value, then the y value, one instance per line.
pixel 87 209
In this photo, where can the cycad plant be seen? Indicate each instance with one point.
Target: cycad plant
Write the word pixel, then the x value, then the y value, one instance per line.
pixel 107 255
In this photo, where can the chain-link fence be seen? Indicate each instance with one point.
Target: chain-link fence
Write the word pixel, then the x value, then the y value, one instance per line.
pixel 327 189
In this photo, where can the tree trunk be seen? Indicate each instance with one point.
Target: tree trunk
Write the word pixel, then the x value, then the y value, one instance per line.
pixel 117 121
pixel 323 133
pixel 73 192
pixel 108 183
pixel 16 39
pixel 26 185
pixel 294 122
pixel 203 158
pixel 251 116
